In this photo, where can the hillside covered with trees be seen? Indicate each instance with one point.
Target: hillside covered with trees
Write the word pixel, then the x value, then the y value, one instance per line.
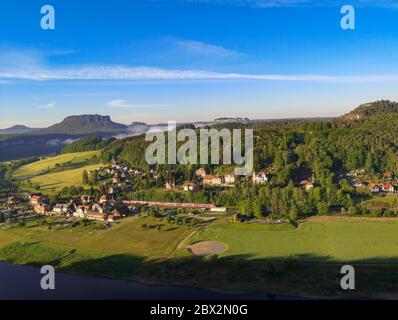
pixel 88 144
pixel 325 152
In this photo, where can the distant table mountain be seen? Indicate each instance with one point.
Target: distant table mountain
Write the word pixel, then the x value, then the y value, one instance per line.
pixel 18 129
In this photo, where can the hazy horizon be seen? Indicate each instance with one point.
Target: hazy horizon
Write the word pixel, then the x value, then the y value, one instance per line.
pixel 170 120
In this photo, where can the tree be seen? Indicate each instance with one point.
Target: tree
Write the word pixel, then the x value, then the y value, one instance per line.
pixel 278 161
pixel 85 177
pixel 293 213
pixel 346 187
pixel 369 165
pixel 94 178
pixel 8 174
pixel 353 211
pixel 323 208
pixel 245 208
pixel 257 209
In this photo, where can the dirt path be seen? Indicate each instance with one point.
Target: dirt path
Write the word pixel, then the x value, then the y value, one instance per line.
pixel 183 243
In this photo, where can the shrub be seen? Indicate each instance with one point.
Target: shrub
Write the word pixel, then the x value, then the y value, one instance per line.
pixel 21 224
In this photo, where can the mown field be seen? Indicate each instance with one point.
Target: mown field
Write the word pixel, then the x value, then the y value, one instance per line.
pixel 329 241
pixel 54 173
pixel 124 245
pixel 126 237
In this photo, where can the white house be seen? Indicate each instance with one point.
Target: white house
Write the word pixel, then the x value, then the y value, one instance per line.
pixel 259 178
pixel 80 211
pixel 189 186
pixel 357 183
pixel 307 185
pixel 229 178
pixel 61 208
pixel 213 180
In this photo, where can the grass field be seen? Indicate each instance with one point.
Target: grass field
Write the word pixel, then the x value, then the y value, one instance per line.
pixel 334 241
pixel 124 245
pixel 54 173
pixel 125 237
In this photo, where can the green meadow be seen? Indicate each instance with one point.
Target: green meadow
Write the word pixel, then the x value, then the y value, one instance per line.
pixel 330 241
pixel 126 237
pixel 71 249
pixel 54 173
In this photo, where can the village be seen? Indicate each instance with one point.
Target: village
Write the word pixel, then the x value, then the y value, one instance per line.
pixel 106 208
pixel 111 208
pixel 360 179
pixel 121 176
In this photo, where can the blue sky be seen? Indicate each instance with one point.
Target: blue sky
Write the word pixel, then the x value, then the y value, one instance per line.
pixel 156 61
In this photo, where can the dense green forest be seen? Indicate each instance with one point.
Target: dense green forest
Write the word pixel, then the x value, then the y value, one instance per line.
pixel 6 171
pixel 88 144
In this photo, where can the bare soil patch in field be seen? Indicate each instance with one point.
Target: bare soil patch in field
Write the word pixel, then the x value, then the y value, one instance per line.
pixel 207 248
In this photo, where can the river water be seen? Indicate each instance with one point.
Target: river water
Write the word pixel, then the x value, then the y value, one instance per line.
pixel 23 282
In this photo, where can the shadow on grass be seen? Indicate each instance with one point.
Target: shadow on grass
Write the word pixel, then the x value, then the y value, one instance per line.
pixel 243 273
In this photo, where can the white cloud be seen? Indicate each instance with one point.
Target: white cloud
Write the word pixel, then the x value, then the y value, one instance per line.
pixel 205 49
pixel 119 103
pixel 59 142
pixel 122 73
pixel 49 105
pixel 30 65
pixel 29 59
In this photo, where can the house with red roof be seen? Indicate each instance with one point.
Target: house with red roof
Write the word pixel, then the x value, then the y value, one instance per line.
pixel 35 198
pixel 388 187
pixel 201 172
pixel 85 199
pixel 103 199
pixel 374 188
pixel 95 215
pixel 42 208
